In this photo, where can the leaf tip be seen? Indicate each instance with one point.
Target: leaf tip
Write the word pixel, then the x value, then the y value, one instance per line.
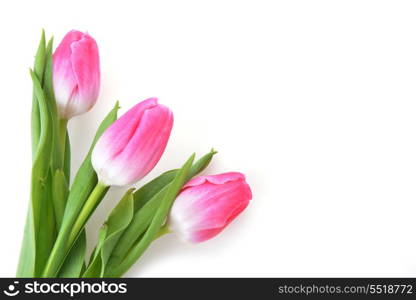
pixel 213 151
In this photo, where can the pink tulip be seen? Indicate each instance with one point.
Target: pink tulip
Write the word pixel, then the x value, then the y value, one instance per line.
pixel 132 145
pixel 76 74
pixel 207 204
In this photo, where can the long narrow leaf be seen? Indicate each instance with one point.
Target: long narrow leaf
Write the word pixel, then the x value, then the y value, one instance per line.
pixel 118 220
pixel 39 203
pixel 60 194
pixel 72 267
pixel 95 265
pixel 26 266
pixel 38 69
pixel 56 161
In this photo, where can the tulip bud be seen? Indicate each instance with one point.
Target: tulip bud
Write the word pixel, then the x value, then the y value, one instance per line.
pixel 132 145
pixel 207 204
pixel 76 74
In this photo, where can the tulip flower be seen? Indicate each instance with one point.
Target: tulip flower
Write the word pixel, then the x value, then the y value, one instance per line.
pixel 76 74
pixel 132 145
pixel 207 204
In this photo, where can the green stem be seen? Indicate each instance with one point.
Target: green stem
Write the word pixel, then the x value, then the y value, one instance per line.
pixel 62 137
pixel 87 209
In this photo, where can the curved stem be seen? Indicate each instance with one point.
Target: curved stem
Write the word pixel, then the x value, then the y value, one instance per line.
pixel 87 209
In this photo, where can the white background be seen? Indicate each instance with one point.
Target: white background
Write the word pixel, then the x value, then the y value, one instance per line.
pixel 313 100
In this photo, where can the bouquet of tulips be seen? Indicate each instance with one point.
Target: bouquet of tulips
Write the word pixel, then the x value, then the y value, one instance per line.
pixel 66 83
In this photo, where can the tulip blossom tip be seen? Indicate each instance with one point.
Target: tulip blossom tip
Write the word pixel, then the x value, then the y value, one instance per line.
pixel 207 204
pixel 76 74
pixel 133 144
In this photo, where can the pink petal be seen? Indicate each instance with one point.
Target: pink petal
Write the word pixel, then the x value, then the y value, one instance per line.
pixel 131 146
pixel 86 67
pixel 76 74
pixel 207 204
pixel 215 179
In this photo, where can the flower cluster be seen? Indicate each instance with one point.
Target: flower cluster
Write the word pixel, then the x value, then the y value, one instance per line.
pixel 66 83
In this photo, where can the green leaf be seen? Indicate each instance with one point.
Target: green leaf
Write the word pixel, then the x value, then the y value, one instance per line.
pixel 147 191
pixel 101 238
pixel 118 220
pixel 84 182
pixel 46 232
pixel 94 268
pixel 48 77
pixel 201 164
pixel 138 226
pixel 38 69
pixel 55 195
pixel 157 221
pixel 75 261
pixel 40 194
pixel 26 266
pixel 60 194
pixel 40 167
pixel 40 59
pixel 57 158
